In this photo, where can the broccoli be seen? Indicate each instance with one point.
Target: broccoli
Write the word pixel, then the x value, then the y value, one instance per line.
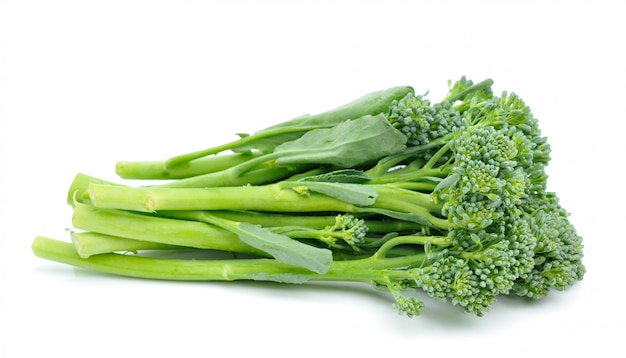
pixel 346 230
pixel 448 198
pixel 557 253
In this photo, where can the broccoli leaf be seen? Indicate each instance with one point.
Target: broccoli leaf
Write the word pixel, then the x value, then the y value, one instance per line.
pixel 285 249
pixel 349 144
pixel 350 193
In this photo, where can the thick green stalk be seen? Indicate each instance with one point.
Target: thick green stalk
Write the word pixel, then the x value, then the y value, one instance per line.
pixel 77 191
pixel 272 197
pixel 317 222
pixel 158 229
pixel 256 171
pixel 92 243
pixel 268 219
pixel 362 270
pixel 260 198
pixel 157 170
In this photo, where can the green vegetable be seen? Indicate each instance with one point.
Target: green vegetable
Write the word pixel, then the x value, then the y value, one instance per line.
pixel 392 190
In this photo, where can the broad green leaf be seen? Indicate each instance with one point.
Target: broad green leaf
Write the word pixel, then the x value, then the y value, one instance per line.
pixel 285 249
pixel 347 145
pixel 357 194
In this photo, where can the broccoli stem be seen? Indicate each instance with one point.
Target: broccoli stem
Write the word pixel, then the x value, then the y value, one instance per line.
pixel 255 171
pixel 92 243
pixel 157 170
pixel 373 268
pixel 420 186
pixel 406 176
pixel 77 191
pixel 273 197
pixel 382 172
pixel 385 248
pixel 160 230
pixel 318 222
pixel 384 165
pixel 269 219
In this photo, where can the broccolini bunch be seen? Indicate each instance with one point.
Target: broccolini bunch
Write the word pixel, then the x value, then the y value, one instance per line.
pixel 448 198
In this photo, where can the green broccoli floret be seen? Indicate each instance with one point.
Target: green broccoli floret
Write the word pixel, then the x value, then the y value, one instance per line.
pixel 347 229
pixel 407 305
pixel 510 115
pixel 491 245
pixel 467 92
pixel 558 252
pixel 479 266
pixel 422 122
pixel 488 178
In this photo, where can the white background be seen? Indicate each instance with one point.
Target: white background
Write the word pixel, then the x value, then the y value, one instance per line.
pixel 84 84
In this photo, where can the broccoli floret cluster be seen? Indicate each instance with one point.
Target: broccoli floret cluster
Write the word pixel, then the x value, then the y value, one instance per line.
pixel 558 252
pixel 467 92
pixel 422 122
pixel 508 234
pixel 346 233
pixel 480 265
pixel 510 115
pixel 349 229
pixel 488 178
